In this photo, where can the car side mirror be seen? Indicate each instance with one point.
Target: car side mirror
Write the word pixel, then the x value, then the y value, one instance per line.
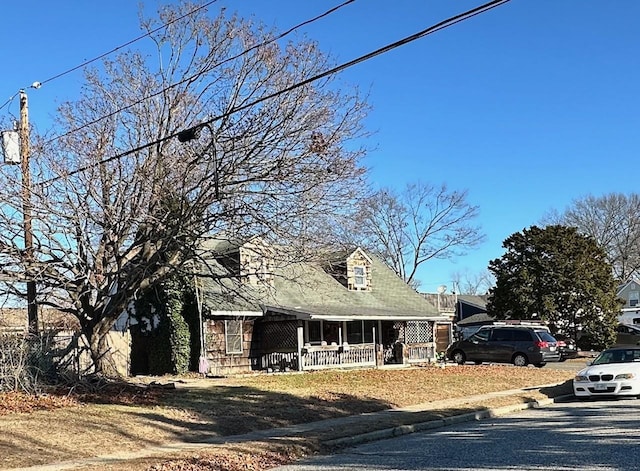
pixel 589 363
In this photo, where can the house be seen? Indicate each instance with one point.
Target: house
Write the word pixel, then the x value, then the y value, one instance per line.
pixel 629 292
pixel 347 309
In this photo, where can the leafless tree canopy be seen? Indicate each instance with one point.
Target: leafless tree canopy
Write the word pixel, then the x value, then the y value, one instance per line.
pixel 478 283
pixel 106 234
pixel 613 220
pixel 421 223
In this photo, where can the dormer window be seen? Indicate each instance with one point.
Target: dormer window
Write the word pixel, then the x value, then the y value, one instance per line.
pixel 353 271
pixel 360 276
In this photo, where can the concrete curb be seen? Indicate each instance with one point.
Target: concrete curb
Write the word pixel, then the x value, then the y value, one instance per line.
pixel 300 429
pixel 438 423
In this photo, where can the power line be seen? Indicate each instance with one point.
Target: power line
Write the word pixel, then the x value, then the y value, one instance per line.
pixel 191 77
pixel 128 43
pixel 425 32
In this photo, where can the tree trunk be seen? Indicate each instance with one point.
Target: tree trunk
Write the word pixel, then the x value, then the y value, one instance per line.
pixel 102 354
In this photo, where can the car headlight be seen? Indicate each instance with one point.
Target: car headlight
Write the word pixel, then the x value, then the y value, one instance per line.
pixel 581 379
pixel 625 376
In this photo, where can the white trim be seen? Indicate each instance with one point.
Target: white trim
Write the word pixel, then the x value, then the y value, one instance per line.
pixel 363 276
pixel 362 252
pixel 237 313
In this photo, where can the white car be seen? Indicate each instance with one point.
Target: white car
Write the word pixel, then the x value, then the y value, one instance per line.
pixel 615 372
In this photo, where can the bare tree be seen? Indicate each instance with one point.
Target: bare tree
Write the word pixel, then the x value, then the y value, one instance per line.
pixel 473 283
pixel 613 220
pixel 421 223
pixel 134 214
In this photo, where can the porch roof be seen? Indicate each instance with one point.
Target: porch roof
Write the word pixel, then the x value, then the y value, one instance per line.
pixel 346 313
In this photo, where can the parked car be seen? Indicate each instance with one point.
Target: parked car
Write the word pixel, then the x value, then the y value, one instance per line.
pixel 566 347
pixel 506 344
pixel 615 372
pixel 627 334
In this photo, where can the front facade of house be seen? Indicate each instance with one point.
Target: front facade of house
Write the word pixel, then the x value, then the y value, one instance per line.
pixel 629 292
pixel 347 310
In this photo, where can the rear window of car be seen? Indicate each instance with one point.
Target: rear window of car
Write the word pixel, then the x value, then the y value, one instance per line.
pixel 546 336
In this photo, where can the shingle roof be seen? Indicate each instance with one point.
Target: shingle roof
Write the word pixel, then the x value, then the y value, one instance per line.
pixel 304 289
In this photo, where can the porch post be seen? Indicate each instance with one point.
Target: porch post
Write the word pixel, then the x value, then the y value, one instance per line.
pixel 379 348
pixel 300 331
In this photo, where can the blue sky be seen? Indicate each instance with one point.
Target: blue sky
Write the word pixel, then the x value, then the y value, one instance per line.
pixel 527 106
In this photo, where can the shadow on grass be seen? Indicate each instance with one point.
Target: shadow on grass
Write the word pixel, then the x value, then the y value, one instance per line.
pixel 224 411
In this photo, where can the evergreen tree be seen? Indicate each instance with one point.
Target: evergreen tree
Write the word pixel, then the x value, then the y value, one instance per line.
pixel 558 275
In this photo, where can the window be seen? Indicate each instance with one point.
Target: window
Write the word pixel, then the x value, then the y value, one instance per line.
pixel 354 332
pixel 360 332
pixel 634 297
pixel 359 277
pixel 314 332
pixel 368 331
pixel 233 336
pixel 524 335
pixel 480 336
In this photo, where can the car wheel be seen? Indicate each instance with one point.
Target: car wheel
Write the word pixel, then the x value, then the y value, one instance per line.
pixel 520 360
pixel 459 357
pixel 563 359
pixel 478 362
pixel 539 365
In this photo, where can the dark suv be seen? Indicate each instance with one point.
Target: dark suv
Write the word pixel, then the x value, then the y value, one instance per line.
pixel 500 344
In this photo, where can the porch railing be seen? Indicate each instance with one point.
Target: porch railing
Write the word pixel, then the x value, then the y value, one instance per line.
pixel 338 356
pixel 318 357
pixel 421 352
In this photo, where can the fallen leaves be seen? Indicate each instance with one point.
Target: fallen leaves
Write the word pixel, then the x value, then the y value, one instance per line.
pixel 18 402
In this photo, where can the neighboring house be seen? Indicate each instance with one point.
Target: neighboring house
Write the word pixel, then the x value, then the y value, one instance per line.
pixel 342 310
pixel 458 306
pixel 469 305
pixel 629 292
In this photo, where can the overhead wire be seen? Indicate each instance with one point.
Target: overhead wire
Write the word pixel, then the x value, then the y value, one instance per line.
pixel 105 54
pixel 128 43
pixel 430 30
pixel 191 77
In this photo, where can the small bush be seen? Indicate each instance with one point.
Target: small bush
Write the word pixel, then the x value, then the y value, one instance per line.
pixel 26 364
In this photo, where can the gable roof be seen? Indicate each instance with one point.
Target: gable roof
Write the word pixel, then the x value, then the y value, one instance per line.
pixel 626 284
pixel 479 301
pixel 305 290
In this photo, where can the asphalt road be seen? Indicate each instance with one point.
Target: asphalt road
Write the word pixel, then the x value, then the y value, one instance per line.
pixel 599 435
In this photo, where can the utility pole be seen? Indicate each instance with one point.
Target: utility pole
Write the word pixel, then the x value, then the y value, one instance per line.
pixel 32 305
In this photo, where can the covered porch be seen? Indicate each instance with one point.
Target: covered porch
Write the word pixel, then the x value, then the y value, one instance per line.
pixel 307 339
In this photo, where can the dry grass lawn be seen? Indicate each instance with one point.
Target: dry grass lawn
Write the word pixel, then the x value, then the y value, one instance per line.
pixel 206 408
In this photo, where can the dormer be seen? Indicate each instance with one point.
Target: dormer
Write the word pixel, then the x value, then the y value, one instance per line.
pixel 352 270
pixel 256 263
pixel 251 261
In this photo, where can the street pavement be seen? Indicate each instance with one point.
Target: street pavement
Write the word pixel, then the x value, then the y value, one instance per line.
pixel 582 436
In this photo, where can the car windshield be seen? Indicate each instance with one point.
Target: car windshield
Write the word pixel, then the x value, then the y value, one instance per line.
pixel 618 356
